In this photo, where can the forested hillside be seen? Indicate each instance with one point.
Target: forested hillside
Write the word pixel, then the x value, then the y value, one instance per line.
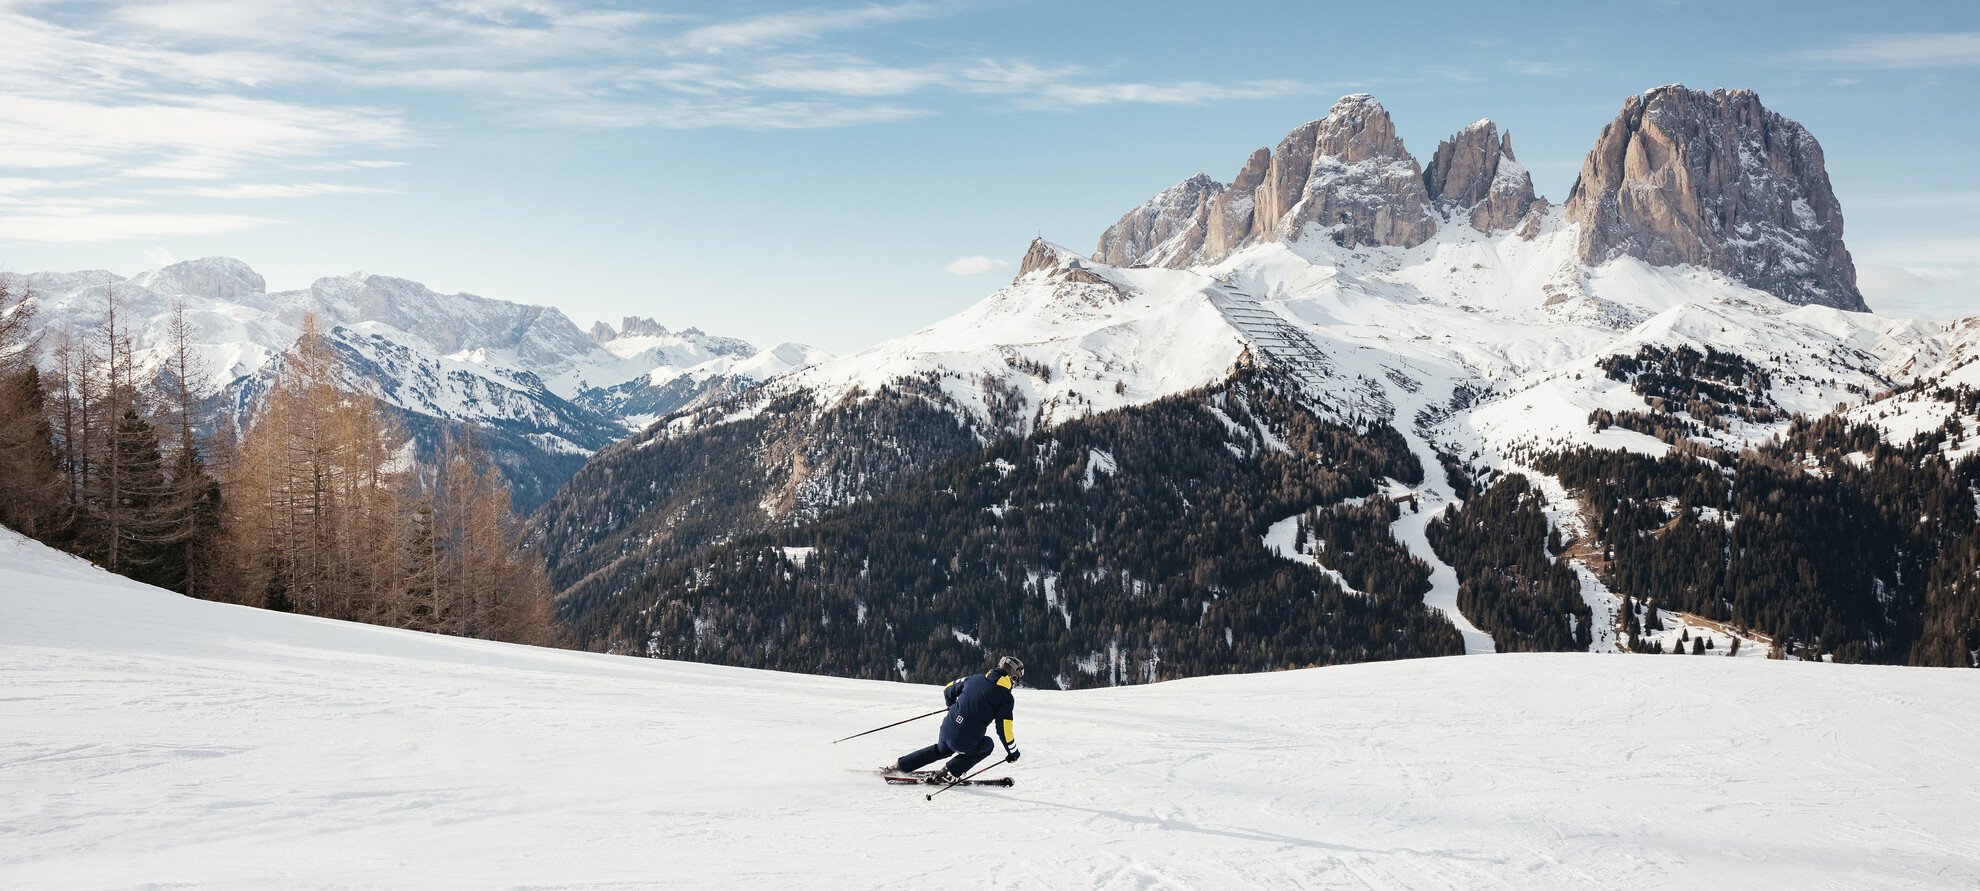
pixel 1510 583
pixel 1122 547
pixel 706 478
pixel 1833 542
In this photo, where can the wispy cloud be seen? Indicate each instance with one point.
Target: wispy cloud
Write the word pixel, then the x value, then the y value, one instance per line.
pixel 1180 93
pixel 542 61
pixel 1542 68
pixel 273 190
pixel 350 165
pixel 1954 50
pixel 683 114
pixel 977 265
pixel 225 95
pixel 784 27
pixel 92 226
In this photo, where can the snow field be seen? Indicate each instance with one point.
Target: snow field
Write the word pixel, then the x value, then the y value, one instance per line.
pixel 147 740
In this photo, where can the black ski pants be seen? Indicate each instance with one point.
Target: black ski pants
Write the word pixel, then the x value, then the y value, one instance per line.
pixel 965 758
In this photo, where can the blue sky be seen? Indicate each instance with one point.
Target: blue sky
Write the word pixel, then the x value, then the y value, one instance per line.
pixel 825 172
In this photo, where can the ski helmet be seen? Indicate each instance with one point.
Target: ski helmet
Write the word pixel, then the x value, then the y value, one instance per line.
pixel 1011 666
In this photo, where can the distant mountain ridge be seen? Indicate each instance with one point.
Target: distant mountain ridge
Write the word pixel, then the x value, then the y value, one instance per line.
pixel 546 393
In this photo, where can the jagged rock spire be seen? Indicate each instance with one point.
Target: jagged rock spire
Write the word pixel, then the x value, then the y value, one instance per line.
pixel 1346 177
pixel 1716 180
pixel 1474 174
pixel 1169 227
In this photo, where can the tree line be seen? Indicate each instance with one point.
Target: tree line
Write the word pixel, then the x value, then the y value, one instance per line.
pixel 311 502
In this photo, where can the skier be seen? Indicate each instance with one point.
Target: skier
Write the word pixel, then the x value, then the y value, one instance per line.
pixel 974 702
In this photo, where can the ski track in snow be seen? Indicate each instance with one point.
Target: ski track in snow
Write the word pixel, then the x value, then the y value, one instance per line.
pixel 148 740
pixel 1412 528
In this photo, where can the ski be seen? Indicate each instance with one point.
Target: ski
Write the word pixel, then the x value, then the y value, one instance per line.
pixel 924 781
pixel 921 778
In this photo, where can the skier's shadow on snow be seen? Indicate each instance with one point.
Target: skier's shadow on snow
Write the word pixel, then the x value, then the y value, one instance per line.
pixel 1170 823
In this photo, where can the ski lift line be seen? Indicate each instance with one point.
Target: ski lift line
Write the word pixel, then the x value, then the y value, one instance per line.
pixel 1282 344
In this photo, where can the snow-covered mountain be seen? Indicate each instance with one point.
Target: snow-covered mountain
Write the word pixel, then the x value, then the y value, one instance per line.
pixel 1483 323
pixel 1477 340
pixel 151 740
pixel 660 371
pixel 524 373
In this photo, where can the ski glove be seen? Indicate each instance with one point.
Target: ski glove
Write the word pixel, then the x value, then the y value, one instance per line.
pixel 1012 757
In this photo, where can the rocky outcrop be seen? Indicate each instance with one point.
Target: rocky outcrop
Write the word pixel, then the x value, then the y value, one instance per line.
pixel 1231 213
pixel 538 335
pixel 1170 226
pixel 1473 175
pixel 1718 181
pixel 1345 177
pixel 639 326
pixel 1362 188
pixel 1070 275
pixel 1059 265
pixel 214 278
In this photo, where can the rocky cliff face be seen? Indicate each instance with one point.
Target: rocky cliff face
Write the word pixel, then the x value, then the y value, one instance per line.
pixel 1363 188
pixel 1716 180
pixel 1680 177
pixel 1170 226
pixel 1231 214
pixel 1346 177
pixel 1474 174
pixel 451 322
pixel 215 278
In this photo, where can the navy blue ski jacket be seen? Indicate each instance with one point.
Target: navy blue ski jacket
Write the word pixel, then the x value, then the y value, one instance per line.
pixel 974 702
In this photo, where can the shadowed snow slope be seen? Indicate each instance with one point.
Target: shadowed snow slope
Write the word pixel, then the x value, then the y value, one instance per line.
pixel 150 740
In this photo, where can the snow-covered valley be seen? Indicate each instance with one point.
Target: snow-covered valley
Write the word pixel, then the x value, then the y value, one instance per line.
pixel 149 740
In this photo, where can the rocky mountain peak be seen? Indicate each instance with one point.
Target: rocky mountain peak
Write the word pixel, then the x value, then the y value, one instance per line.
pixel 1057 263
pixel 1473 173
pixel 1357 128
pixel 1716 180
pixel 1346 176
pixel 630 326
pixel 1169 227
pixel 1069 274
pixel 214 278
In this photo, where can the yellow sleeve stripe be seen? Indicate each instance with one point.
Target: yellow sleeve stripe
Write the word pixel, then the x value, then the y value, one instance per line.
pixel 1010 735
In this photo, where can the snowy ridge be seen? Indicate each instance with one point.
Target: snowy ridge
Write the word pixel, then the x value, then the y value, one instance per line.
pixel 152 740
pixel 1483 344
pixel 547 394
pixel 1069 338
pixel 481 359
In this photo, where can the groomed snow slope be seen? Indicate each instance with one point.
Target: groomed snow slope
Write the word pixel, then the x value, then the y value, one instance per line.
pixel 148 740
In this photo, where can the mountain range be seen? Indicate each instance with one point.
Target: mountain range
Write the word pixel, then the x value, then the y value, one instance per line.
pixel 1349 406
pixel 1430 335
pixel 543 394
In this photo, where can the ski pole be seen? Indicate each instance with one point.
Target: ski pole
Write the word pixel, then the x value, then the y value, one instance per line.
pixel 895 724
pixel 931 795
